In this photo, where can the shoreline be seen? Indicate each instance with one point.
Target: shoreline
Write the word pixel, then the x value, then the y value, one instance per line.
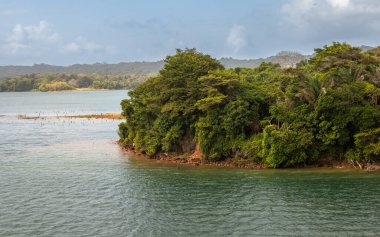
pixel 187 160
pixel 73 90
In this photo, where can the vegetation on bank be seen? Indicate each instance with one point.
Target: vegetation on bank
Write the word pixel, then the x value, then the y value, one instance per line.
pixel 328 105
pixel 61 82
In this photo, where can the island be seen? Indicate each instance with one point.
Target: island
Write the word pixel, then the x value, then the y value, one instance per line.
pixel 325 109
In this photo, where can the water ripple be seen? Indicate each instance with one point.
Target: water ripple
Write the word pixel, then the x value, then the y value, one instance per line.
pixel 67 178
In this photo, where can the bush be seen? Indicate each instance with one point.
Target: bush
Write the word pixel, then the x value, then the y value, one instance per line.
pixel 285 147
pixel 56 86
pixel 367 146
pixel 253 148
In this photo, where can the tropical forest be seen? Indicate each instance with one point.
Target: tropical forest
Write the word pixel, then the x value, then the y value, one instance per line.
pixel 327 107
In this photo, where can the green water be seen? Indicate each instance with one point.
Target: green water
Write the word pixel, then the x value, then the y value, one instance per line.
pixel 66 177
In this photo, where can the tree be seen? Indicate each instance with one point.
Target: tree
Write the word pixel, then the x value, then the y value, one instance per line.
pixel 163 108
pixel 313 88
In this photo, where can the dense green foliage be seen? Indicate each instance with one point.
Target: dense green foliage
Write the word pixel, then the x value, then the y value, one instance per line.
pixel 59 82
pixel 326 106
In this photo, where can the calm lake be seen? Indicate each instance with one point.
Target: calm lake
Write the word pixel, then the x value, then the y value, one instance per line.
pixel 67 177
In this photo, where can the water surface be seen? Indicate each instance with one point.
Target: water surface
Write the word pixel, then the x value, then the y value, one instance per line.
pixel 67 177
pixel 60 103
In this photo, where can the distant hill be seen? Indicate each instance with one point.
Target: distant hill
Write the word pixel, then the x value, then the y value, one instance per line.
pixel 285 59
pixel 366 48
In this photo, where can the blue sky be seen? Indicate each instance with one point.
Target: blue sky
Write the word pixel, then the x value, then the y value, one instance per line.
pixel 80 31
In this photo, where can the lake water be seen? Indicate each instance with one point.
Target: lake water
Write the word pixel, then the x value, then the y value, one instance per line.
pixel 67 177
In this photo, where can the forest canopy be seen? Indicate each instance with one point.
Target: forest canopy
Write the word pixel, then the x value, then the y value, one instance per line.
pixel 327 106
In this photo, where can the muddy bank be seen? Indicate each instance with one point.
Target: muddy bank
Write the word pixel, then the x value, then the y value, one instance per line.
pixel 188 159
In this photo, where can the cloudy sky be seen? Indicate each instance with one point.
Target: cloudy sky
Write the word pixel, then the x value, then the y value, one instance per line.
pixel 80 31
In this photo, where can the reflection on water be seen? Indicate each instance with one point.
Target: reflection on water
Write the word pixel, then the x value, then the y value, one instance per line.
pixel 66 177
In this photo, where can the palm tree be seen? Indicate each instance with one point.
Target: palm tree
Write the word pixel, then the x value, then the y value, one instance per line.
pixel 313 88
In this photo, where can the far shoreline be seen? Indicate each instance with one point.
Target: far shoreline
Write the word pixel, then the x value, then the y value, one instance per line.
pixel 74 90
pixel 113 116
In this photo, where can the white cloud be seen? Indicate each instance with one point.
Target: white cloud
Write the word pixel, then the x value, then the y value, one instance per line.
pixel 23 37
pixel 15 47
pixel 82 45
pixel 18 34
pixel 236 38
pixel 339 3
pixel 41 41
pixel 322 10
pixel 41 32
pixel 295 10
pixel 331 19
pixel 72 47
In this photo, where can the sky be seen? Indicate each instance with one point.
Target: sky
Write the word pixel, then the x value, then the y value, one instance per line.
pixel 98 31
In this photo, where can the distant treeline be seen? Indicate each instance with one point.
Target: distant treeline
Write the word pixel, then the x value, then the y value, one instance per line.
pixel 284 59
pixel 59 82
pixel 97 68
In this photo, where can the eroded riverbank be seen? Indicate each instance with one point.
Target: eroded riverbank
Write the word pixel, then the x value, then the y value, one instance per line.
pixel 191 160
